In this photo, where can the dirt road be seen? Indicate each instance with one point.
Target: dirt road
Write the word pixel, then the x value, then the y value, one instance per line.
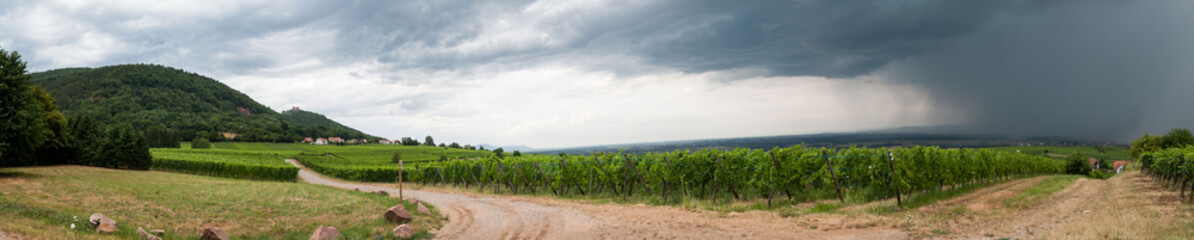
pixel 480 217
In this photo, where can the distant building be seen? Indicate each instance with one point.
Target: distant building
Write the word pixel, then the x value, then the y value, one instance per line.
pixel 384 141
pixel 1119 166
pixel 335 140
pixel 308 140
pixel 1094 162
pixel 320 141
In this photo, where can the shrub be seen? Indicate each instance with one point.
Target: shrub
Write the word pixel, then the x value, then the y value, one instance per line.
pixel 1076 164
pixel 200 143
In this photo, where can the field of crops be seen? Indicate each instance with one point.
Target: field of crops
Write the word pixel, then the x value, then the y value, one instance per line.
pixel 263 165
pixel 1059 152
pixel 741 173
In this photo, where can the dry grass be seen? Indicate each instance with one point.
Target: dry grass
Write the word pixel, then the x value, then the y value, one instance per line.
pixel 42 202
pixel 1135 208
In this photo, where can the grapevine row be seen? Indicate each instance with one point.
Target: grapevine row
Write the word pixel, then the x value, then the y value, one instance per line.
pixel 231 164
pixel 1171 166
pixel 742 173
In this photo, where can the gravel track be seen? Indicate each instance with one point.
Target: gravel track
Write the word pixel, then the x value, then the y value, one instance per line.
pixel 480 217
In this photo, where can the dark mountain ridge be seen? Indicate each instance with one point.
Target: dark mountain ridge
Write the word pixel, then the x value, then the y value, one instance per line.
pixel 144 95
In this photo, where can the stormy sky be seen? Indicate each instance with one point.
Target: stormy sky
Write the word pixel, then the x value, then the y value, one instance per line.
pixel 570 73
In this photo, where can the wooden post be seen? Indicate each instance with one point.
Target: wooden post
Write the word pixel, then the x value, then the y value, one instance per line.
pixel 891 162
pixel 400 180
pixel 545 179
pixel 640 176
pixel 780 168
pixel 665 183
pixel 441 175
pixel 524 179
pixel 731 183
pixel 834 175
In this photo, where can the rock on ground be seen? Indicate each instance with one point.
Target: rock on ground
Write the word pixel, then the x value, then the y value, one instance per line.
pixel 214 233
pixel 397 214
pixel 103 224
pixel 325 233
pixel 404 231
pixel 146 235
pixel 423 209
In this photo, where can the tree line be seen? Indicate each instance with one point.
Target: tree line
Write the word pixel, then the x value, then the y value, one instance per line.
pixel 34 132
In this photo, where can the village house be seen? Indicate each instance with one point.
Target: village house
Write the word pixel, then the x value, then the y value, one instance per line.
pixel 384 141
pixel 320 141
pixel 308 140
pixel 335 140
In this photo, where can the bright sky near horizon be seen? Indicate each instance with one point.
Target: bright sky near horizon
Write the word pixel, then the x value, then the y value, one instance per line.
pixel 572 73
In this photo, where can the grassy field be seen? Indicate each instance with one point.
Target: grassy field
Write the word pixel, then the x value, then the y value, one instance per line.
pixel 364 154
pixel 1057 152
pixel 43 202
pixel 1040 191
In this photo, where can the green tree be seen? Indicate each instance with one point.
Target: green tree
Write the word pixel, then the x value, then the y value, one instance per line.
pixel 1178 137
pixel 126 148
pixel 1077 164
pixel 517 154
pixel 1146 143
pixel 499 152
pixel 454 145
pixel 200 143
pixel 160 137
pixel 21 132
pixel 56 148
pixel 429 141
pixel 86 140
pixel 396 158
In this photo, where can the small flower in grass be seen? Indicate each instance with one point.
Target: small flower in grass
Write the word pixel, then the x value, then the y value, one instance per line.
pixel 72 226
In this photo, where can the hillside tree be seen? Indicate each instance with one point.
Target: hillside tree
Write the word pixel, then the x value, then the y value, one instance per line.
pixel 21 132
pixel 429 141
pixel 1178 137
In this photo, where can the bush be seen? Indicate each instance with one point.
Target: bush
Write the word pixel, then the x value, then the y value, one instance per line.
pixel 200 143
pixel 1077 164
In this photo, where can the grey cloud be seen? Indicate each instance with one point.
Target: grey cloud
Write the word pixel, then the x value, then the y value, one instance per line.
pixel 1093 69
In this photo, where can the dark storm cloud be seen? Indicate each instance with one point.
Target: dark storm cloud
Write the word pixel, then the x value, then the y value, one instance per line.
pixel 1093 69
pixel 786 38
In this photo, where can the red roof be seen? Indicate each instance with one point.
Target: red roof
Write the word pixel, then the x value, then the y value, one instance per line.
pixel 1093 160
pixel 1117 164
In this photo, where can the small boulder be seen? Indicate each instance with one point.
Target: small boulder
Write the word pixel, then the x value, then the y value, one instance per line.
pixel 413 200
pixel 404 231
pixel 103 224
pixel 383 193
pixel 214 233
pixel 397 214
pixel 423 209
pixel 158 232
pixel 145 235
pixel 325 233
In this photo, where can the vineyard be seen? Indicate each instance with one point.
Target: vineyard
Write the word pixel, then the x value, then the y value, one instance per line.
pixel 1172 167
pixel 711 174
pixel 261 165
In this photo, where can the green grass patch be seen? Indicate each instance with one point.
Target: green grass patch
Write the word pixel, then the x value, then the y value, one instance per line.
pixel 1040 191
pixel 42 203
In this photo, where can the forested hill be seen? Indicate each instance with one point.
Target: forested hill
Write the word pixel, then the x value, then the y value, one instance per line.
pixel 151 95
pixel 316 120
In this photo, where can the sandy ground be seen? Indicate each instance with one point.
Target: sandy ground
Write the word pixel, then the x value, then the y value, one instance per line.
pixel 482 217
pixel 1129 206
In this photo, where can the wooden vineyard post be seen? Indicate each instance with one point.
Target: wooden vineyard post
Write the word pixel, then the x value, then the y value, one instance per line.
pixel 399 179
pixel 731 182
pixel 509 183
pixel 524 178
pixel 545 179
pixel 665 183
pixel 834 175
pixel 778 169
pixel 441 175
pixel 475 179
pixel 576 184
pixel 640 176
pixel 891 162
pixel 1183 186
